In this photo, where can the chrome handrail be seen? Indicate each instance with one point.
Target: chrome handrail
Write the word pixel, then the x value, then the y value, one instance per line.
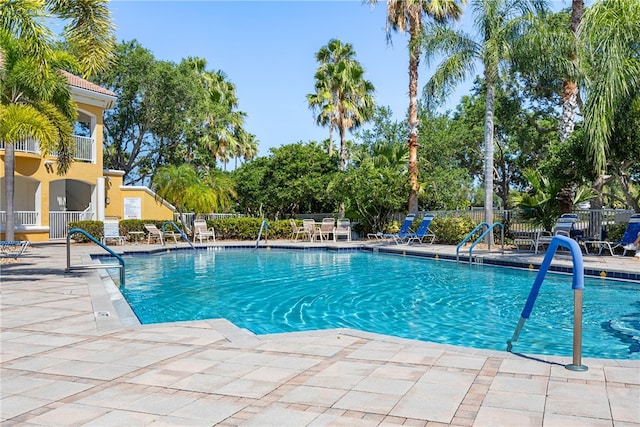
pixel 97 242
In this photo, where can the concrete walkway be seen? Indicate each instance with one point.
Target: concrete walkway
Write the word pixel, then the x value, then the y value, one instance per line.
pixel 69 359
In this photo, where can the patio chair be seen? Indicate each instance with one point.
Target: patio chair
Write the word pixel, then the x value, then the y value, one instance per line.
pixel 563 227
pixel 342 228
pixel 13 248
pixel 326 228
pixel 154 234
pixel 405 229
pixel 630 235
pixel 309 227
pixel 297 231
pixel 200 231
pixel 111 231
pixel 422 232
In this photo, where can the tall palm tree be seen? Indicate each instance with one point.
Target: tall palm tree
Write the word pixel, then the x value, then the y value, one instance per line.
pixel 407 16
pixel 609 36
pixel 88 31
pixel 35 103
pixel 33 91
pixel 499 24
pixel 343 96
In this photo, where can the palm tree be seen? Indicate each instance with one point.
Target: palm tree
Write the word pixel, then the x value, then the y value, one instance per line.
pixel 33 91
pixel 343 97
pixel 499 23
pixel 35 103
pixel 182 187
pixel 609 37
pixel 407 16
pixel 88 31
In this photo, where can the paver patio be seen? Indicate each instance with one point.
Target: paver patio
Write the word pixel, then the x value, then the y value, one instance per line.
pixel 66 362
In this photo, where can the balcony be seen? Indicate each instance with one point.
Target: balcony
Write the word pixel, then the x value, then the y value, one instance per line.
pixel 85 148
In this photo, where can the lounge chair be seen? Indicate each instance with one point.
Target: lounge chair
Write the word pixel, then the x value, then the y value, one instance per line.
pixel 297 231
pixel 342 228
pixel 422 232
pixel 13 248
pixel 563 227
pixel 405 230
pixel 200 231
pixel 326 228
pixel 157 235
pixel 309 227
pixel 629 236
pixel 112 231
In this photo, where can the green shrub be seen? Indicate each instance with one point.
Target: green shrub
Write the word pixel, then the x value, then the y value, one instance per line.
pixel 451 231
pixel 615 232
pixel 95 228
pixel 248 228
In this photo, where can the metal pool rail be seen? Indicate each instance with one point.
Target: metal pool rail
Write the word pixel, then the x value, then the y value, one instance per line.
pixel 577 286
pixel 70 267
pixel 264 226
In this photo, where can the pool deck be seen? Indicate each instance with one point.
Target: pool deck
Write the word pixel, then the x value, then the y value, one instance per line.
pixel 71 356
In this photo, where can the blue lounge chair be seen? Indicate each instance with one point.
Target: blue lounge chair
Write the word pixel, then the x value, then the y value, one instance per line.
pixel 423 231
pixel 629 236
pixel 13 248
pixel 404 232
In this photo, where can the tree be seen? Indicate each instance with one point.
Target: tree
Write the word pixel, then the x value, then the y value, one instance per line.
pixel 35 79
pixel 407 15
pixel 609 37
pixel 88 31
pixel 293 179
pixel 35 103
pixel 499 23
pixel 343 97
pixel 182 187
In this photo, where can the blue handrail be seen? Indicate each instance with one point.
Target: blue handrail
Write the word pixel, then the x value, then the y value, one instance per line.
pixel 184 236
pixel 577 286
pixel 97 242
pixel 482 224
pixel 482 236
pixel 265 226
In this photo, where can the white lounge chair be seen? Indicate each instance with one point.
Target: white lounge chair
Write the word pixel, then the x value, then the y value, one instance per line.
pixel 155 234
pixel 111 231
pixel 202 232
pixel 342 228
pixel 297 231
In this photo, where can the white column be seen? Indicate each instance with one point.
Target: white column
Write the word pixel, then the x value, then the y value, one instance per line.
pixel 99 204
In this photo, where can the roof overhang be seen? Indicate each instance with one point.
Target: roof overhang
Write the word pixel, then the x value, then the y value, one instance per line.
pixel 89 97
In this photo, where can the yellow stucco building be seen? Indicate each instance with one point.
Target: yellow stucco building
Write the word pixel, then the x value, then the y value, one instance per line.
pixel 46 202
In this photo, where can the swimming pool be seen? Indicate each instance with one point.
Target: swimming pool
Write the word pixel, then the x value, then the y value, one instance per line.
pixel 269 291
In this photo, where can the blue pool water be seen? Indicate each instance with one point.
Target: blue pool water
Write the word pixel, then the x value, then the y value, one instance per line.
pixel 268 291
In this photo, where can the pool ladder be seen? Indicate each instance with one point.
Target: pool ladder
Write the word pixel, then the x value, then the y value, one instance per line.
pixel 577 286
pixel 479 260
pixel 264 226
pixel 71 268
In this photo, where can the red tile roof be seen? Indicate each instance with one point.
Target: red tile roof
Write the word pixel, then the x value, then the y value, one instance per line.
pixel 81 83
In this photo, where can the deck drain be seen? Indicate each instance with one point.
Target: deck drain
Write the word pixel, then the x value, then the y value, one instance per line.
pixel 102 314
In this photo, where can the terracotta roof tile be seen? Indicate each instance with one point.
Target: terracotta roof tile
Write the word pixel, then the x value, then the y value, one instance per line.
pixel 81 83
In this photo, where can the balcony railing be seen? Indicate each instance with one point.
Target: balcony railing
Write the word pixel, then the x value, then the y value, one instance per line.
pixel 84 148
pixel 21 218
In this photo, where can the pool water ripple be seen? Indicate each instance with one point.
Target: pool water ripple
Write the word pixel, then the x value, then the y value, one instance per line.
pixel 282 291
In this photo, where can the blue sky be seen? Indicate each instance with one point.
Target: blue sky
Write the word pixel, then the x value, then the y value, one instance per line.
pixel 267 49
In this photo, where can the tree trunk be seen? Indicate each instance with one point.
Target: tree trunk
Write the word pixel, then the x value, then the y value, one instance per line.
pixel 570 87
pixel 488 157
pixel 414 62
pixel 9 180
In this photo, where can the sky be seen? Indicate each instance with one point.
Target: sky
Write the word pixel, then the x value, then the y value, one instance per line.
pixel 267 50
